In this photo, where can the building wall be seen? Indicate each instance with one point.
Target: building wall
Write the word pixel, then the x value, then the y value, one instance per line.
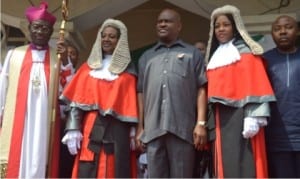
pixel 141 22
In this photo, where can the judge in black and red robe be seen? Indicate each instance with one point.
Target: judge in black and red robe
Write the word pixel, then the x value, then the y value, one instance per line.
pixel 103 108
pixel 239 92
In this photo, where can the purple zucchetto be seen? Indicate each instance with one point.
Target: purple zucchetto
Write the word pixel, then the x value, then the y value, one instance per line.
pixel 40 13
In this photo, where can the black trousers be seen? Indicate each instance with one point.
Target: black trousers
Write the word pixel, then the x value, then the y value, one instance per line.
pixel 285 164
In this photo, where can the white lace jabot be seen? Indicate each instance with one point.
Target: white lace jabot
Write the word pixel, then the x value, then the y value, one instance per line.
pixel 103 73
pixel 224 55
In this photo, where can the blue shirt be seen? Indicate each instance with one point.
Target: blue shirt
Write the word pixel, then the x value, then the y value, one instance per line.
pixel 283 131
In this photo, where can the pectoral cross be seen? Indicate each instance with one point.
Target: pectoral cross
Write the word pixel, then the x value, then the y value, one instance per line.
pixel 36 82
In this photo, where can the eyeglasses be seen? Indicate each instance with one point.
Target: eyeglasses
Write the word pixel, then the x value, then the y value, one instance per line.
pixel 38 27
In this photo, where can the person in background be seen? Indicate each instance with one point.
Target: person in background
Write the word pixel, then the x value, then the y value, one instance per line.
pixel 283 131
pixel 26 99
pixel 73 54
pixel 171 91
pixel 67 72
pixel 201 45
pixel 100 128
pixel 203 163
pixel 66 159
pixel 239 92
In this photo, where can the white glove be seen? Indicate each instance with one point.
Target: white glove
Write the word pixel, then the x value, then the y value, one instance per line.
pixel 262 121
pixel 72 139
pixel 251 127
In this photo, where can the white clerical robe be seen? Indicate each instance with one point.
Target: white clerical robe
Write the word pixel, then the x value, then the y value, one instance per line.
pixel 35 137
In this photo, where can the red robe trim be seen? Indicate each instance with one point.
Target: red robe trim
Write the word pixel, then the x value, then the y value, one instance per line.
pixel 53 164
pixel 236 82
pixel 259 153
pixel 240 80
pixel 106 166
pixel 63 77
pixel 118 95
pixel 218 150
pixel 13 165
pixel 258 147
pixel 106 162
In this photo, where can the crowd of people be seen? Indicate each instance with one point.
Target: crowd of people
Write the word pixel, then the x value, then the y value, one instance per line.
pixel 221 108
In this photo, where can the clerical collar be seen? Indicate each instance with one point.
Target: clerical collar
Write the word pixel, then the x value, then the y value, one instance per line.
pixel 34 47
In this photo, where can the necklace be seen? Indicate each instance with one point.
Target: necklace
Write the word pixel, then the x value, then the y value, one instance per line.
pixel 36 79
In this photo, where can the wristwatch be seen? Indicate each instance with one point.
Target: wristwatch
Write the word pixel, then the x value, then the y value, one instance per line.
pixel 201 123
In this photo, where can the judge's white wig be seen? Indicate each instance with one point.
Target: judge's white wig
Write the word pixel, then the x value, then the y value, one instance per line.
pixel 121 55
pixel 235 12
